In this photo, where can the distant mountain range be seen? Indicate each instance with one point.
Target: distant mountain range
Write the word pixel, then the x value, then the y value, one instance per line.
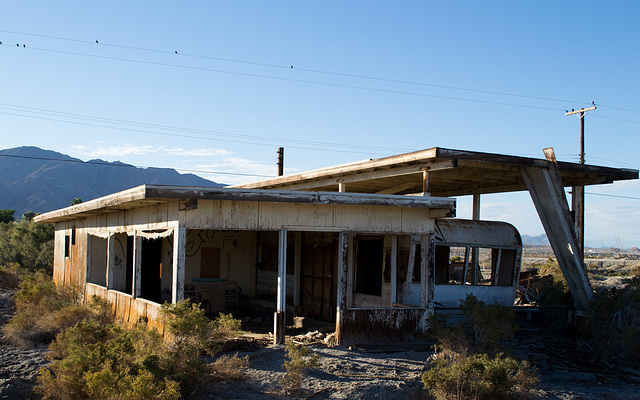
pixel 33 179
pixel 540 240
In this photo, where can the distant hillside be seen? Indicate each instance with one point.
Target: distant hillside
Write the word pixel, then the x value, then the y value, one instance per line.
pixel 33 179
pixel 540 240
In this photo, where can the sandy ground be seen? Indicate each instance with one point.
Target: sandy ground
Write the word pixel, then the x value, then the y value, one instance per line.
pixel 360 372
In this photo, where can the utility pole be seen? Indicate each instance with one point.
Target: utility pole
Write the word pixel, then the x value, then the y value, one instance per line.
pixel 280 161
pixel 577 195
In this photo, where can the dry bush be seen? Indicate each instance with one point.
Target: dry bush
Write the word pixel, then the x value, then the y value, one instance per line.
pixel 610 329
pixel 96 360
pixel 480 377
pixel 299 360
pixel 225 367
pixel 10 276
pixel 492 325
pixel 42 310
pixel 456 372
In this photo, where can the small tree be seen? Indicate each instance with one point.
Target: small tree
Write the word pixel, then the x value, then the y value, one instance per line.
pixel 28 216
pixel 6 215
pixel 76 200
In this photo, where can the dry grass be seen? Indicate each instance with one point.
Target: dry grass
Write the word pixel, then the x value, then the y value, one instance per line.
pixel 225 367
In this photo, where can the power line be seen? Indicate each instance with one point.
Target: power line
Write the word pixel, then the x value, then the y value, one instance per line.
pixel 71 160
pixel 317 71
pixel 344 86
pixel 210 135
pixel 613 195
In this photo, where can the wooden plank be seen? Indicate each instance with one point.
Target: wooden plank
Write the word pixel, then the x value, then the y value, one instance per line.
pixel 281 297
pixel 549 198
pixel 179 242
pixel 343 283
pixel 111 261
pixel 137 264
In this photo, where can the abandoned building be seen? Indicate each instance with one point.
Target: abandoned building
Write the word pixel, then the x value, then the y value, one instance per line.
pixel 371 246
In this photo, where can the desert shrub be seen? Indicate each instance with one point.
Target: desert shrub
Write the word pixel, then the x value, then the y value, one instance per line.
pixel 42 310
pixel 451 338
pixel 299 360
pixel 225 367
pixel 192 332
pixel 102 361
pixel 480 376
pixel 97 360
pixel 10 276
pixel 610 328
pixel 492 325
pixel 458 372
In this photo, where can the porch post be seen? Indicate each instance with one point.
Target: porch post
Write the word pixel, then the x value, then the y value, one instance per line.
pixel 137 265
pixel 111 251
pixel 279 320
pixel 343 283
pixel 177 281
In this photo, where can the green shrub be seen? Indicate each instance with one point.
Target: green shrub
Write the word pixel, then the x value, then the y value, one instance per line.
pixel 299 360
pixel 610 328
pixel 96 360
pixel 42 310
pixel 101 361
pixel 480 377
pixel 492 325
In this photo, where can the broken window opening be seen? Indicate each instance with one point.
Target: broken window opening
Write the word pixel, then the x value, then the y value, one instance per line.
pixel 98 261
pixel 151 270
pixel 122 274
pixel 67 246
pixel 369 260
pixel 456 265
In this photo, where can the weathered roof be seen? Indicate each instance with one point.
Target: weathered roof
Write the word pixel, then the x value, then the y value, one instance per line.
pixel 146 195
pixel 452 173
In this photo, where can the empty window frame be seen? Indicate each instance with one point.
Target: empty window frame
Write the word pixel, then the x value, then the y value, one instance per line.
pixel 483 266
pixel 98 261
pixel 369 263
pixel 151 270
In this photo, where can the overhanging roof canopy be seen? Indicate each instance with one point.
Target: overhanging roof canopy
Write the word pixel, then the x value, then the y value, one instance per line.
pixel 451 173
pixel 147 195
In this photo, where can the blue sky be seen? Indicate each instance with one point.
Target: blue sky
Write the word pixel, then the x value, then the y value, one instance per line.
pixel 369 79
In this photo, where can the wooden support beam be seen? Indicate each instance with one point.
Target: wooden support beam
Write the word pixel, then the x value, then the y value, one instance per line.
pixel 398 188
pixel 476 251
pixel 137 265
pixel 111 260
pixel 177 278
pixel 343 283
pixel 426 182
pixel 547 193
pixel 394 269
pixel 279 321
pixel 341 186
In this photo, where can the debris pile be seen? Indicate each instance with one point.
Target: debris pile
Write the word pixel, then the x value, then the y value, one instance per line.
pixel 529 287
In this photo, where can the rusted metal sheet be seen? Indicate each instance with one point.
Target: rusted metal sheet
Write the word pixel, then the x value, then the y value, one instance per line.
pixel 380 325
pixel 476 233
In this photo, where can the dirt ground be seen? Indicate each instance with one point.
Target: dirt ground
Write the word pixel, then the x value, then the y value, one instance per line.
pixel 394 371
pixel 360 372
